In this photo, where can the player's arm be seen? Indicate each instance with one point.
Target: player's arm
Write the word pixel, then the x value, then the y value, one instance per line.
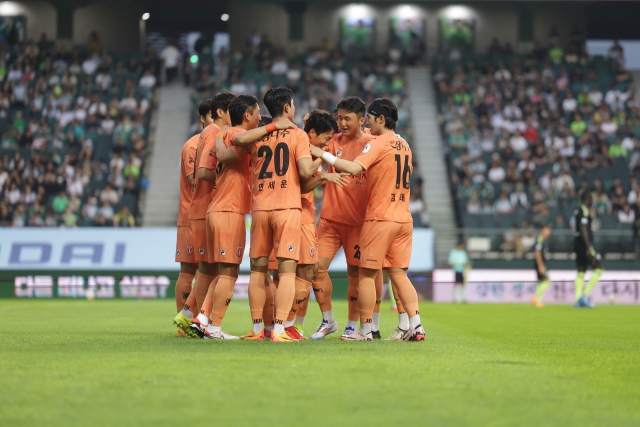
pixel 352 168
pixel 252 135
pixel 539 261
pixel 190 179
pixel 309 185
pixel 307 167
pixel 207 175
pixel 223 153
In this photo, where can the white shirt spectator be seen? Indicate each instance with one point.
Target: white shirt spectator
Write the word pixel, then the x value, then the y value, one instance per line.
pixel 614 97
pixel 497 174
pixel 171 56
pixel 238 87
pixel 596 97
pixel 544 182
pixel 341 80
pixel 148 81
pixel 526 164
pixel 74 187
pixel 98 108
pixel 129 103
pixel 629 143
pixel 502 74
pixel 103 81
pixel 634 196
pixel 106 211
pixel 14 74
pixel 561 181
pixel 609 127
pixel 66 117
pixel 503 206
pixel 518 143
pixel 80 114
pixel 14 196
pixel 626 217
pixel 569 104
pixel 91 207
pixel 89 66
pixel 519 198
pixel 279 66
pixel 512 112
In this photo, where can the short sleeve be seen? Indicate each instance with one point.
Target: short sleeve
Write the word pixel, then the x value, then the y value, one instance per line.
pixel 209 158
pixel 370 154
pixel 302 146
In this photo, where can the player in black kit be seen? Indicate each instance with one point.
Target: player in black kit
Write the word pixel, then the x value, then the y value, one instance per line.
pixel 586 255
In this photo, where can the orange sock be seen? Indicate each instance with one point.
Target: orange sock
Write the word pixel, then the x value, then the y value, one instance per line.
pixel 269 310
pixel 191 304
pixel 366 299
pixel 284 297
pixel 183 289
pixel 302 311
pixel 396 296
pixel 222 296
pixel 323 289
pixel 352 296
pixel 378 282
pixel 257 295
pixel 202 287
pixel 407 293
pixel 301 298
pixel 207 305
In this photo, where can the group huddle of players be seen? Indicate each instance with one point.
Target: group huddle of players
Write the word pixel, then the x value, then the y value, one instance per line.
pixel 242 163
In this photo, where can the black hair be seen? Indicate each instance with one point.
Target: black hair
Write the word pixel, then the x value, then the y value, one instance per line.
pixel 204 108
pixel 321 121
pixel 352 104
pixel 386 108
pixel 221 100
pixel 276 98
pixel 335 110
pixel 265 120
pixel 584 196
pixel 241 104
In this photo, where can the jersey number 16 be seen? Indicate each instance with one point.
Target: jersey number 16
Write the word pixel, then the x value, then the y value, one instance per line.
pixel 402 173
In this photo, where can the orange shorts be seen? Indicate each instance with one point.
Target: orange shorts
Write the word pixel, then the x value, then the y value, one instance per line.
pixel 226 237
pixel 184 245
pixel 273 262
pixel 199 230
pixel 386 244
pixel 332 235
pixel 278 231
pixel 308 244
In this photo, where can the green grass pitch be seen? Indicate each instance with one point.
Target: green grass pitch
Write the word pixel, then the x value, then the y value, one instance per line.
pixel 118 363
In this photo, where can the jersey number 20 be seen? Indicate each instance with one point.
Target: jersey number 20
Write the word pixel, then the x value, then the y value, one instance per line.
pixel 281 162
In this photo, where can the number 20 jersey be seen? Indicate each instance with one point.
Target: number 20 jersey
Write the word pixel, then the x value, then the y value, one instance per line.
pixel 388 161
pixel 276 182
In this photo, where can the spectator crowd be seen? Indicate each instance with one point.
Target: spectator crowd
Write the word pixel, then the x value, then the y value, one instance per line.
pixel 74 128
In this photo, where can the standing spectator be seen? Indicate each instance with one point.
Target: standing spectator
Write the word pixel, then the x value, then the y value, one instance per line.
pixel 171 57
pixel 459 262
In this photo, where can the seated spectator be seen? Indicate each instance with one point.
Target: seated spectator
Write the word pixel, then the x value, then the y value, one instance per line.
pixel 91 207
pixel 109 195
pixel 503 204
pixel 560 224
pixel 69 218
pixel 510 239
pixel 124 218
pixel 617 150
pixel 106 211
pixel 626 215
pixel 148 80
pixel 578 126
pixel 517 142
pixel 60 202
pixel 497 173
pixel 473 207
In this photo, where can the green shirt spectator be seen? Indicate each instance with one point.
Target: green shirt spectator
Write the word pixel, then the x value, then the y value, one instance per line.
pixel 124 218
pixel 458 259
pixel 617 150
pixel 131 169
pixel 60 202
pixel 70 218
pixel 578 126
pixel 556 54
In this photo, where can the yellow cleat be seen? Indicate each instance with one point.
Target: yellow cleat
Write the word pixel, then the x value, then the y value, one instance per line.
pixel 535 301
pixel 254 337
pixel 282 338
pixel 183 323
pixel 181 333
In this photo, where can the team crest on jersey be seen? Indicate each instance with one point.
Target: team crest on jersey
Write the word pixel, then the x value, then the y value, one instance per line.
pixel 312 251
pixel 366 148
pixel 338 153
pixel 189 250
pixel 290 248
pixel 201 251
pixel 178 252
pixel 238 251
pixel 223 252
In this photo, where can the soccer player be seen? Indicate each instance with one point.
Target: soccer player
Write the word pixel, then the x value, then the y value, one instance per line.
pixel 586 255
pixel 385 241
pixel 279 159
pixel 342 216
pixel 541 266
pixel 459 261
pixel 205 164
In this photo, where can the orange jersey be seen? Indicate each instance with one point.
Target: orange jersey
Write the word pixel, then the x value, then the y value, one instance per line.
pixel 308 202
pixel 346 205
pixel 388 161
pixel 232 191
pixel 276 181
pixel 205 158
pixel 187 161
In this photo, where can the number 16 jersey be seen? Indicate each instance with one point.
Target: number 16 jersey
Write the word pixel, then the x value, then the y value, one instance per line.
pixel 276 181
pixel 388 160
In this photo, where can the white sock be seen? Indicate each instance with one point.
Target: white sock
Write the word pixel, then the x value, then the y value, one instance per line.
pixel 352 324
pixel 300 320
pixel 288 323
pixel 257 327
pixel 187 313
pixel 414 321
pixel 403 321
pixel 279 329
pixel 269 328
pixel 203 319
pixel 211 329
pixel 328 316
pixel 365 328
pixel 375 326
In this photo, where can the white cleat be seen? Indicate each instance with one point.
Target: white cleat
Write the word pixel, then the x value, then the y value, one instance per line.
pixel 325 328
pixel 396 335
pixel 347 332
pixel 219 335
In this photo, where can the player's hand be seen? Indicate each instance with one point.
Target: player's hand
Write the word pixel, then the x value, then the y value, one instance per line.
pixel 542 271
pixel 589 254
pixel 316 151
pixel 285 124
pixel 224 128
pixel 336 178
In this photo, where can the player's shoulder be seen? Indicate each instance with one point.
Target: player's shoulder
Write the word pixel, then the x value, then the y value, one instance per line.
pixel 192 143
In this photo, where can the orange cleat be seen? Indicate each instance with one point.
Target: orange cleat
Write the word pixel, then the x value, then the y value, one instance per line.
pixel 253 337
pixel 282 338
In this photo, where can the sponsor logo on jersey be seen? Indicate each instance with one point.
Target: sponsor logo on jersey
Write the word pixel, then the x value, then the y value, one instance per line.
pixel 338 153
pixel 178 252
pixel 366 148
pixel 223 252
pixel 238 251
pixel 290 248
pixel 312 251
pixel 201 251
pixel 189 250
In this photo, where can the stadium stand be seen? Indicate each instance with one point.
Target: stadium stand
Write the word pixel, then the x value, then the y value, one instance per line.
pixel 319 78
pixel 525 135
pixel 74 129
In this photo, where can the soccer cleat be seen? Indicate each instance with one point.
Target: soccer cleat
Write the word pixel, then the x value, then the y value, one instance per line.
pixel 285 337
pixel 181 333
pixel 535 301
pixel 219 335
pixel 253 337
pixel 325 328
pixel 357 336
pixel 183 323
pixel 267 334
pixel 396 335
pixel 293 333
pixel 376 335
pixel 198 328
pixel 347 331
pixel 416 334
pixel 300 330
pixel 586 302
pixel 579 303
